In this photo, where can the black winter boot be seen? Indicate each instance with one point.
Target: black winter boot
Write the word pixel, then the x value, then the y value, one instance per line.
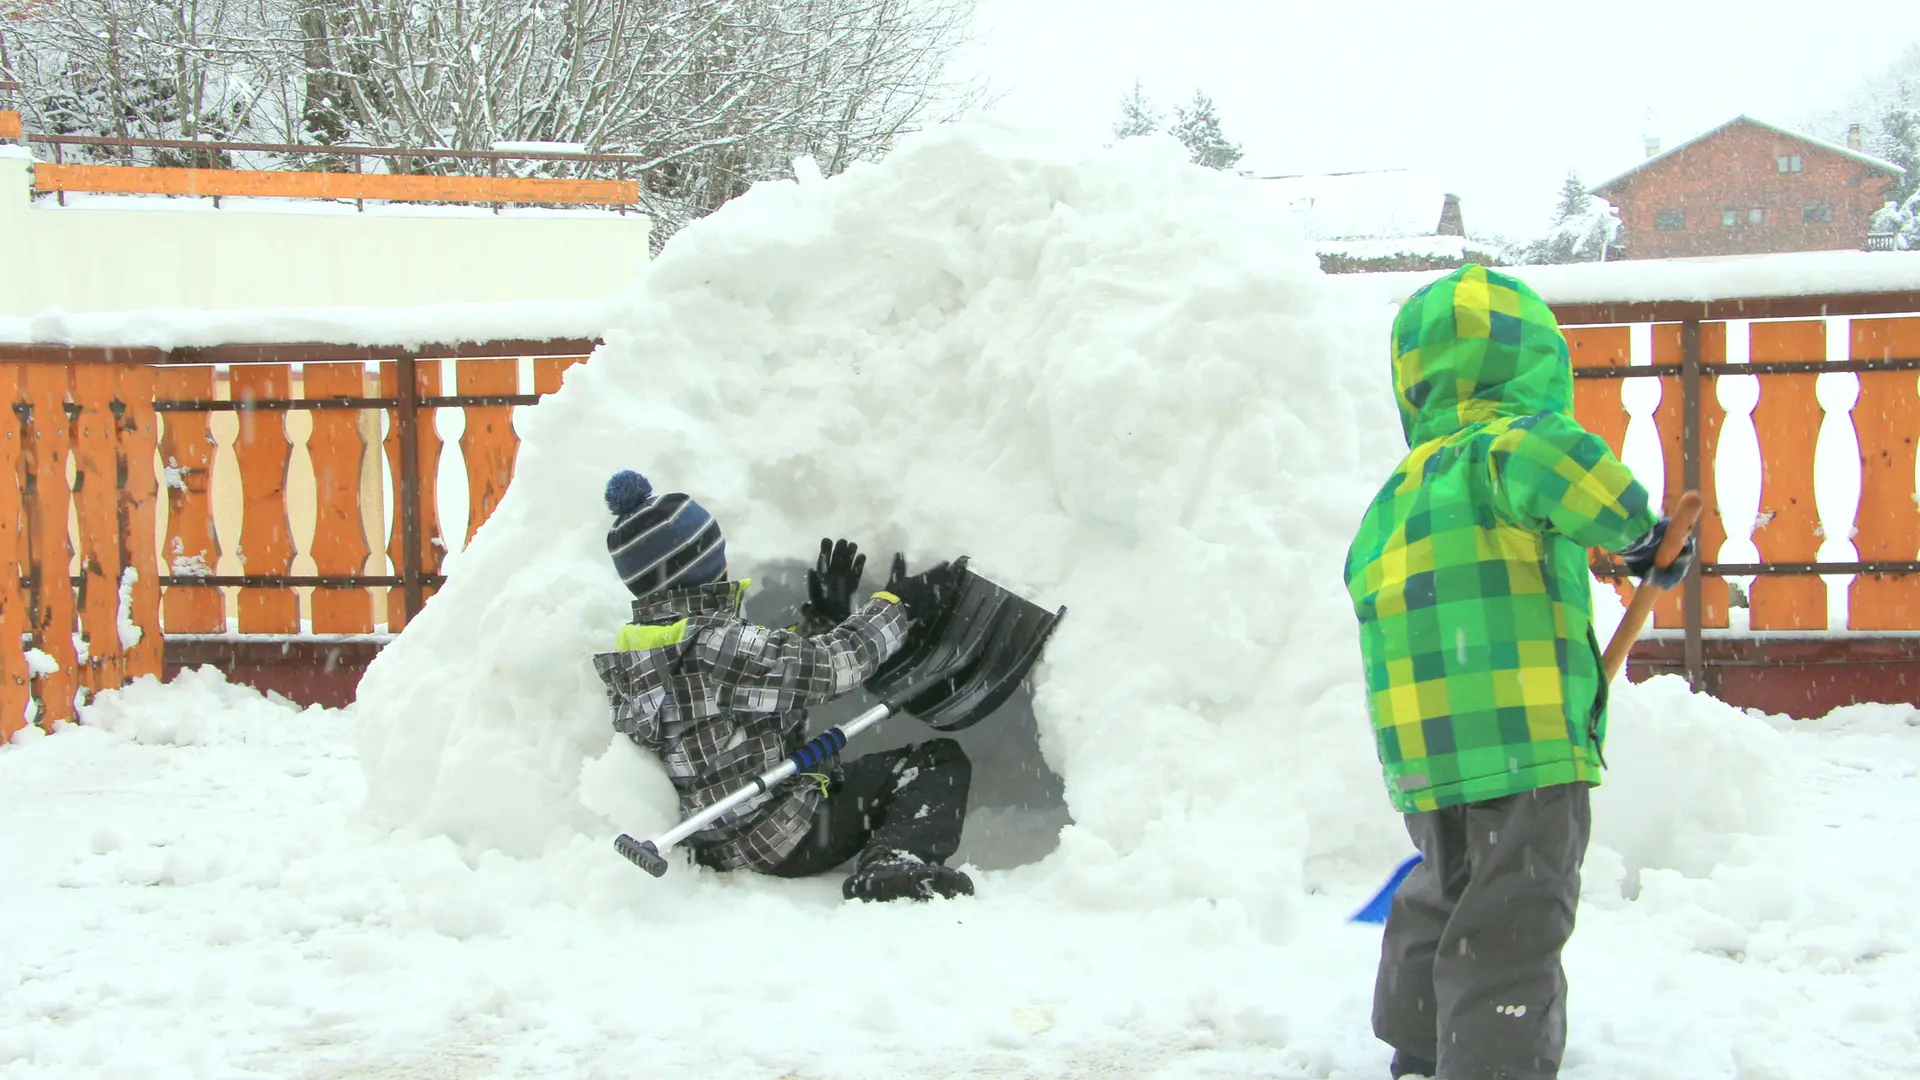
pixel 1405 1064
pixel 905 878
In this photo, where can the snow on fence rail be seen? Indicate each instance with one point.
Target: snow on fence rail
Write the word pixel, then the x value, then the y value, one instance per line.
pixel 209 171
pixel 102 576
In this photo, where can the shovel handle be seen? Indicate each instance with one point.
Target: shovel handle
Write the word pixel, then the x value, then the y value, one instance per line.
pixel 1644 594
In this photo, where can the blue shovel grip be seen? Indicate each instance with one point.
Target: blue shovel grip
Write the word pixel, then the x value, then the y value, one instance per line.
pixel 820 748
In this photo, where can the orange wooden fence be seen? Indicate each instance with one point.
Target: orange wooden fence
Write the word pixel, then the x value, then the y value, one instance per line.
pixel 137 180
pixel 106 570
pixel 101 573
pixel 1787 352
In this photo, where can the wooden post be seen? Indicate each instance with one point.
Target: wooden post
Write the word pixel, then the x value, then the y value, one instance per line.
pixel 413 481
pixel 135 450
pixel 339 535
pixel 16 696
pixel 192 544
pixel 1690 459
pixel 266 537
pixel 1786 421
pixel 413 455
pixel 1886 418
pixel 50 555
pixel 488 444
pixel 96 500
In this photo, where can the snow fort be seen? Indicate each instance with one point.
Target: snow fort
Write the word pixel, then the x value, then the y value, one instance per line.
pixel 1116 381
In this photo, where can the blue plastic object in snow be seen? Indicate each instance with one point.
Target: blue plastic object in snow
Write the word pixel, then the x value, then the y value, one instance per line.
pixel 1376 910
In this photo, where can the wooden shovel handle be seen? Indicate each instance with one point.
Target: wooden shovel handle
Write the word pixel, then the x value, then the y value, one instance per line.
pixel 1624 635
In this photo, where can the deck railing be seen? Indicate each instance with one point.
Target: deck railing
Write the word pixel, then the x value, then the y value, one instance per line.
pixel 115 532
pixel 1786 346
pixel 111 530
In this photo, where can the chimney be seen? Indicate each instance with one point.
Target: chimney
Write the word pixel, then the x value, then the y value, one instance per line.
pixel 1450 223
pixel 1854 141
pixel 1653 145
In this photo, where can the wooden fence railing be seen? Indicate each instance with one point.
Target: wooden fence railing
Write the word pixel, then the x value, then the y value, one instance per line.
pixel 1787 352
pixel 105 569
pixel 210 169
pixel 99 573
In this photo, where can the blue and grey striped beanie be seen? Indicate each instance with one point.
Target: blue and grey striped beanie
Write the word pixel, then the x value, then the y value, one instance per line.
pixel 661 542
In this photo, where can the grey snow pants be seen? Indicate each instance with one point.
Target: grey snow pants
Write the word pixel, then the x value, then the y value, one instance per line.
pixel 1470 972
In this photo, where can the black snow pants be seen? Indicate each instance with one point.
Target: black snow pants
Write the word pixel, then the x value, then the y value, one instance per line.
pixel 1470 974
pixel 911 800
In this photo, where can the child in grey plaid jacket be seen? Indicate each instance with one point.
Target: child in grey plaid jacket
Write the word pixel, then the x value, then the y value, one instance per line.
pixel 721 700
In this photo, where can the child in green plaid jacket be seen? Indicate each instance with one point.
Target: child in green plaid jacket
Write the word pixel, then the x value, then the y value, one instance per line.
pixel 1470 579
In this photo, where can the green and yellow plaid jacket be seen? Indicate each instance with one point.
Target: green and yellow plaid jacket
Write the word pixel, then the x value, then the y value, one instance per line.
pixel 1469 572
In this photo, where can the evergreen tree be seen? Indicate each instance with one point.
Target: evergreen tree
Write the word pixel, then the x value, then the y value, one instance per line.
pixel 1573 199
pixel 1138 116
pixel 1899 142
pixel 1583 226
pixel 1197 127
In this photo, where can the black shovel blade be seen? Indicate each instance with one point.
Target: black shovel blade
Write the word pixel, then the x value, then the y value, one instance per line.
pixel 965 662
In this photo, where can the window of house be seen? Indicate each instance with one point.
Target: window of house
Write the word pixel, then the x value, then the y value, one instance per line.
pixel 1729 216
pixel 1756 216
pixel 1670 220
pixel 1816 212
pixel 1790 163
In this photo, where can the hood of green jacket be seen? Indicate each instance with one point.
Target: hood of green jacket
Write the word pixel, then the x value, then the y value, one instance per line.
pixel 1474 346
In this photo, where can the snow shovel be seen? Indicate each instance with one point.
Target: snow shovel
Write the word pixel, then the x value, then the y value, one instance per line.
pixel 952 671
pixel 1679 527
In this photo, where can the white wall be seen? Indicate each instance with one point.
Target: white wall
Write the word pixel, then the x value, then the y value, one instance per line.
pixel 180 253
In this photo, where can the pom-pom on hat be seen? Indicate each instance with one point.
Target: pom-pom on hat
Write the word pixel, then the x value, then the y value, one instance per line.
pixel 661 542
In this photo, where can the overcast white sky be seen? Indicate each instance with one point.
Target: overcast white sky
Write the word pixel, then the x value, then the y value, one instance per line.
pixel 1495 100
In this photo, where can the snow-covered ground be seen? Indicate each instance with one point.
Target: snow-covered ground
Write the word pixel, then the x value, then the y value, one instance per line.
pixel 1121 384
pixel 191 892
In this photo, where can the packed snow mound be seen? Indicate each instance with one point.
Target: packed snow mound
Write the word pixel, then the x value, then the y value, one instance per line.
pixel 1117 381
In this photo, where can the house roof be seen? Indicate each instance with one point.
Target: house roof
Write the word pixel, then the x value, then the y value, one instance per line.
pixel 1865 159
pixel 1358 205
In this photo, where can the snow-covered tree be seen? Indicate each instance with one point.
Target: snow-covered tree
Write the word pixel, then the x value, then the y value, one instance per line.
pixel 712 94
pixel 1885 108
pixel 1138 114
pixel 1197 126
pixel 1573 198
pixel 1583 227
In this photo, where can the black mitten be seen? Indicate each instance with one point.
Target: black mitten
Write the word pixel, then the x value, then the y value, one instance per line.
pixel 1639 558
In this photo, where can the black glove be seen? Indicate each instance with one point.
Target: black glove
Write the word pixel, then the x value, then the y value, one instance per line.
pixel 926 593
pixel 1639 558
pixel 834 579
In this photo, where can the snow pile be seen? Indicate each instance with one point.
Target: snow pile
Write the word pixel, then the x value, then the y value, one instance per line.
pixel 1117 381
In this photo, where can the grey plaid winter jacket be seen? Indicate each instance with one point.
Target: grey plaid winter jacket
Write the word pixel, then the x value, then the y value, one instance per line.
pixel 721 700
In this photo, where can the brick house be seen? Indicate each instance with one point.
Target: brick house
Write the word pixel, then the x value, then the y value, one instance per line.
pixel 1748 187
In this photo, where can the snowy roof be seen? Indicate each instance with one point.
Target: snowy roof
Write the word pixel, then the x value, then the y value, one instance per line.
pixel 1719 277
pixel 1391 247
pixel 1359 205
pixel 1865 159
